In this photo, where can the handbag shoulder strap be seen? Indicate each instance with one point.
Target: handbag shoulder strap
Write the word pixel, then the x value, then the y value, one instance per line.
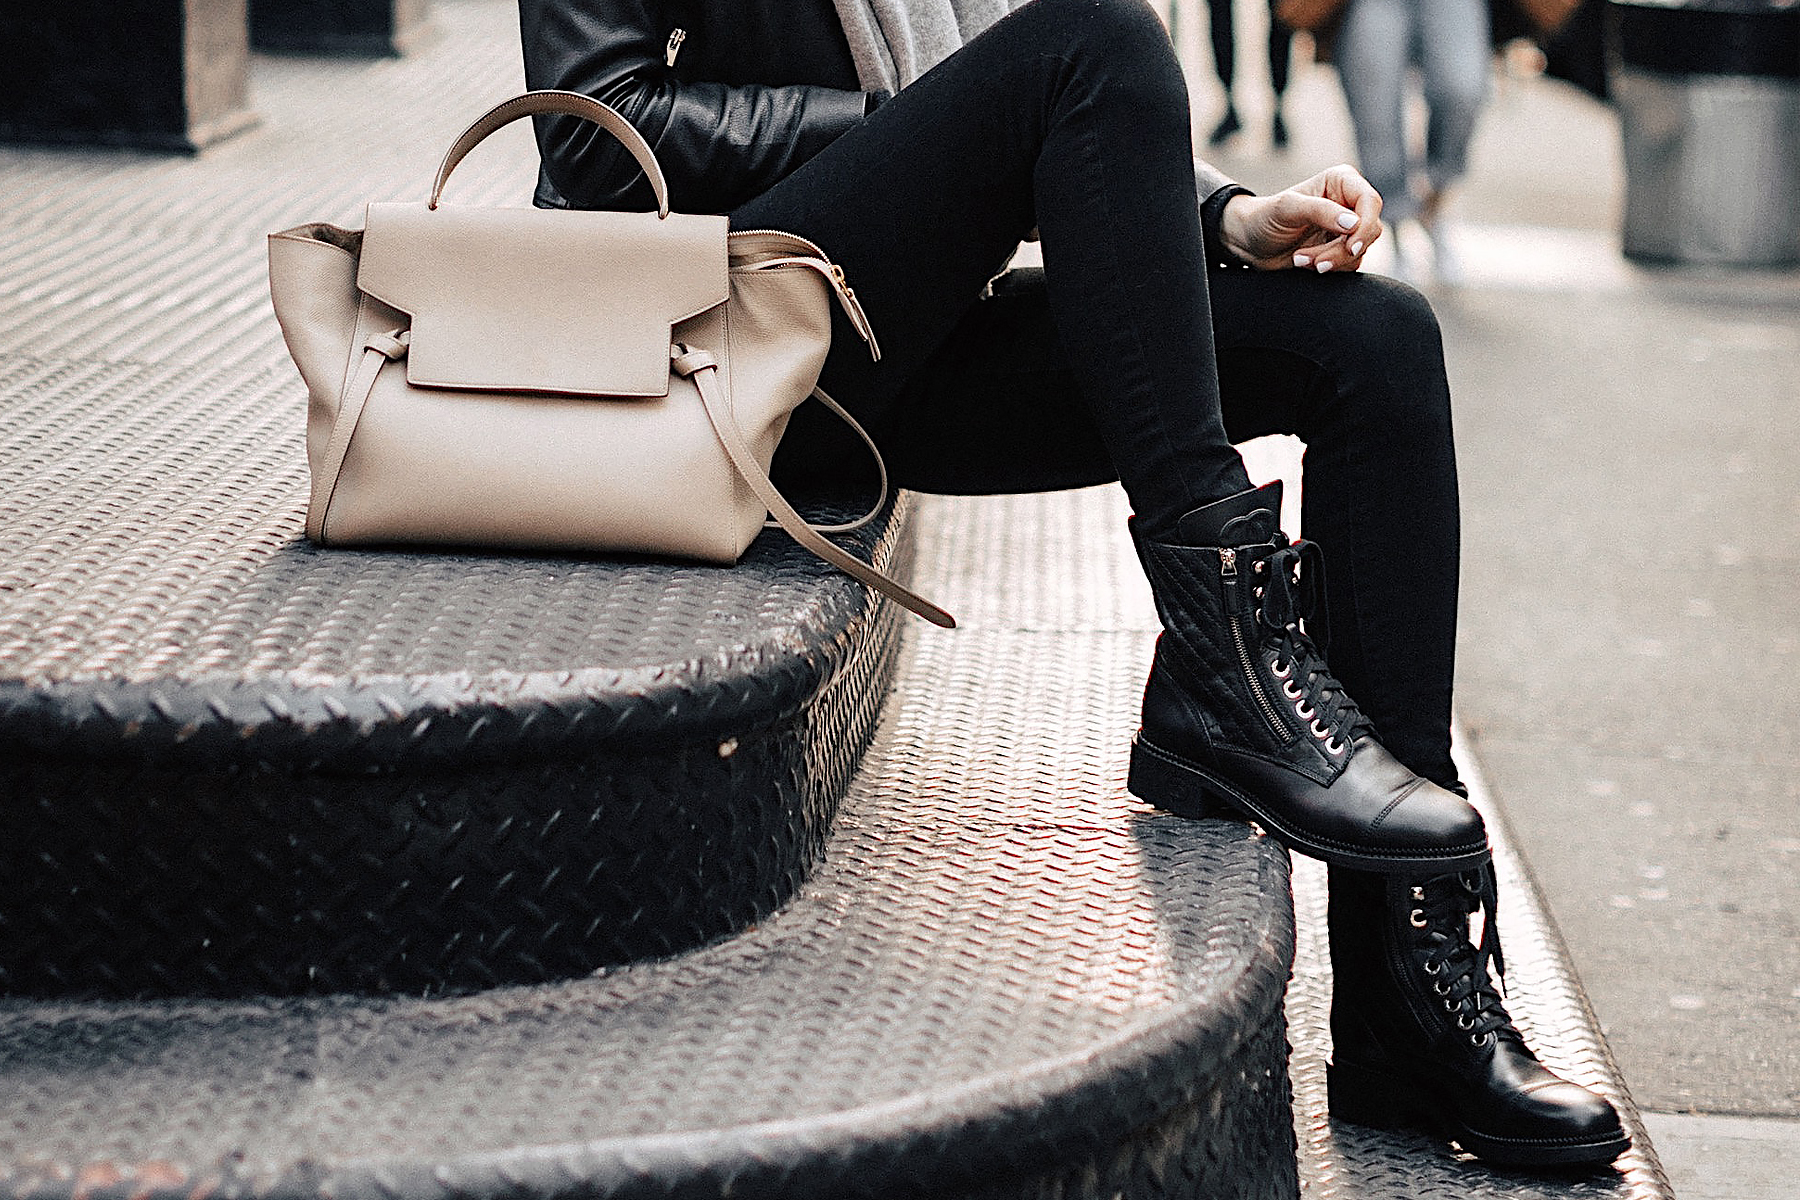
pixel 881 494
pixel 703 369
pixel 377 349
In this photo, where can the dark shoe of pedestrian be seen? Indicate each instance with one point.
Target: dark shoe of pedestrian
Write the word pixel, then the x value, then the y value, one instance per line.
pixel 1421 1038
pixel 1242 716
pixel 1228 125
pixel 1278 131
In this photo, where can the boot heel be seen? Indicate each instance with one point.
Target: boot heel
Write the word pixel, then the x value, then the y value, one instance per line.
pixel 1363 1097
pixel 1169 786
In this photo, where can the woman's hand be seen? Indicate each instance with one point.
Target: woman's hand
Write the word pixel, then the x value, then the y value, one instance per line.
pixel 1326 223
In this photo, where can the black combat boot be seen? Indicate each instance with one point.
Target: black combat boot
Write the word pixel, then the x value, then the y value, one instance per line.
pixel 1421 1039
pixel 1241 713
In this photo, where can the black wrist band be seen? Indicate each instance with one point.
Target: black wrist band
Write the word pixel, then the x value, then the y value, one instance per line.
pixel 1212 215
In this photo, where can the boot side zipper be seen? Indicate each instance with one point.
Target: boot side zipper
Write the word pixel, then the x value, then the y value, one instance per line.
pixel 1228 571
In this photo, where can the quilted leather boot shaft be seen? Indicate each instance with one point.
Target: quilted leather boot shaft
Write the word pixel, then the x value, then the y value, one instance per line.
pixel 1241 713
pixel 1421 1038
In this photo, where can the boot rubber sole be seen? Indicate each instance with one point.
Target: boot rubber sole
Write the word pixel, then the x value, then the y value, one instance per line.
pixel 1379 1100
pixel 1186 789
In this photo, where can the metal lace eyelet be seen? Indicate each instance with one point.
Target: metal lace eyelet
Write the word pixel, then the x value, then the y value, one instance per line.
pixel 1335 747
pixel 1417 918
pixel 1434 969
pixel 1291 690
pixel 1261 567
pixel 1464 1023
pixel 1482 1039
pixel 1259 592
pixel 1319 730
pixel 1441 988
pixel 1280 669
pixel 1305 711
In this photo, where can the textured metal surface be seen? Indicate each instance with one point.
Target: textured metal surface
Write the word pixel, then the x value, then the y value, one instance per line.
pixel 137 880
pixel 232 763
pixel 1007 979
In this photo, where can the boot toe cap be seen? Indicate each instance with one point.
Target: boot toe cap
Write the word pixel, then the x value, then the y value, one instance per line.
pixel 1562 1109
pixel 1414 812
pixel 1539 1117
pixel 1432 817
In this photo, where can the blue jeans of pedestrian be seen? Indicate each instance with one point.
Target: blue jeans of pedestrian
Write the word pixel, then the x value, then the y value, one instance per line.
pixel 1378 44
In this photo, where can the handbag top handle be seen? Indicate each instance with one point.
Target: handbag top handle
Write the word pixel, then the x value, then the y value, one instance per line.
pixel 568 104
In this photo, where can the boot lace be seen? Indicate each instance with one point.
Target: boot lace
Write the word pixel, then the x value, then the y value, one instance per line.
pixel 1458 971
pixel 1290 596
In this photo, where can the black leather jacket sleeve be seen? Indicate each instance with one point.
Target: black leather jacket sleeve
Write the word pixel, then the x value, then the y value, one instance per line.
pixel 719 145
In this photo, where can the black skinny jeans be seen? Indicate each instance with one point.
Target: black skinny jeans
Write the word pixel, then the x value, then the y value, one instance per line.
pixel 1126 359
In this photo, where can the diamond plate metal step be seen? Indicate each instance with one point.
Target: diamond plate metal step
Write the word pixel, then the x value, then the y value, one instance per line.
pixel 232 764
pixel 1007 979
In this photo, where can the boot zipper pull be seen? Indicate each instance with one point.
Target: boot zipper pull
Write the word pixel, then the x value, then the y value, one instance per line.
pixel 1228 562
pixel 675 39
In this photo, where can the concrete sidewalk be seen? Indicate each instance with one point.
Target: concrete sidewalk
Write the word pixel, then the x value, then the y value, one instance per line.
pixel 1631 583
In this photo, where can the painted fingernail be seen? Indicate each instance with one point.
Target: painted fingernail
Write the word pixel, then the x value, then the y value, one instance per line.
pixel 1356 248
pixel 1324 267
pixel 1346 220
pixel 1301 260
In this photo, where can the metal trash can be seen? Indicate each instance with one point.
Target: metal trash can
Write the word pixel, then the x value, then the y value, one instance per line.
pixel 1708 93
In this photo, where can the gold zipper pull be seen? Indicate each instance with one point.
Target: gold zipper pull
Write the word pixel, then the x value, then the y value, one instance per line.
pixel 675 39
pixel 843 284
pixel 853 307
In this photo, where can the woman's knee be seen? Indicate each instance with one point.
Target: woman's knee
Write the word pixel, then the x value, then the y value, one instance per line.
pixel 1408 346
pixel 1392 370
pixel 1398 306
pixel 1125 39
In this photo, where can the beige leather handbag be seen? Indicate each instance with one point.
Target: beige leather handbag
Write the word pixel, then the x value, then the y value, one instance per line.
pixel 558 380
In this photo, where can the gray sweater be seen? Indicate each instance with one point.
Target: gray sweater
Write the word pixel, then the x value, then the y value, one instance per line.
pixel 893 42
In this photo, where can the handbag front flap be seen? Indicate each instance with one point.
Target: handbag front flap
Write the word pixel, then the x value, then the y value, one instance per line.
pixel 542 300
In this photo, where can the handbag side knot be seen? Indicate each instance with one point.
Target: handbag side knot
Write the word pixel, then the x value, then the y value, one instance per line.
pixel 686 360
pixel 391 345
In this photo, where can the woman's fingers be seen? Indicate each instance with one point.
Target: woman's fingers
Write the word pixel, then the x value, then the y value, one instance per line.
pixel 1322 229
pixel 1324 224
pixel 1344 212
pixel 1349 188
pixel 1315 248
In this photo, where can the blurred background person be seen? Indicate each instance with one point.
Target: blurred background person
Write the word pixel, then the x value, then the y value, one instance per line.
pixel 1224 48
pixel 1377 43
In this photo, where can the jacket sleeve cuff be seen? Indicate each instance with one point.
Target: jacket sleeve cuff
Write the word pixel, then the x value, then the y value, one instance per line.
pixel 828 115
